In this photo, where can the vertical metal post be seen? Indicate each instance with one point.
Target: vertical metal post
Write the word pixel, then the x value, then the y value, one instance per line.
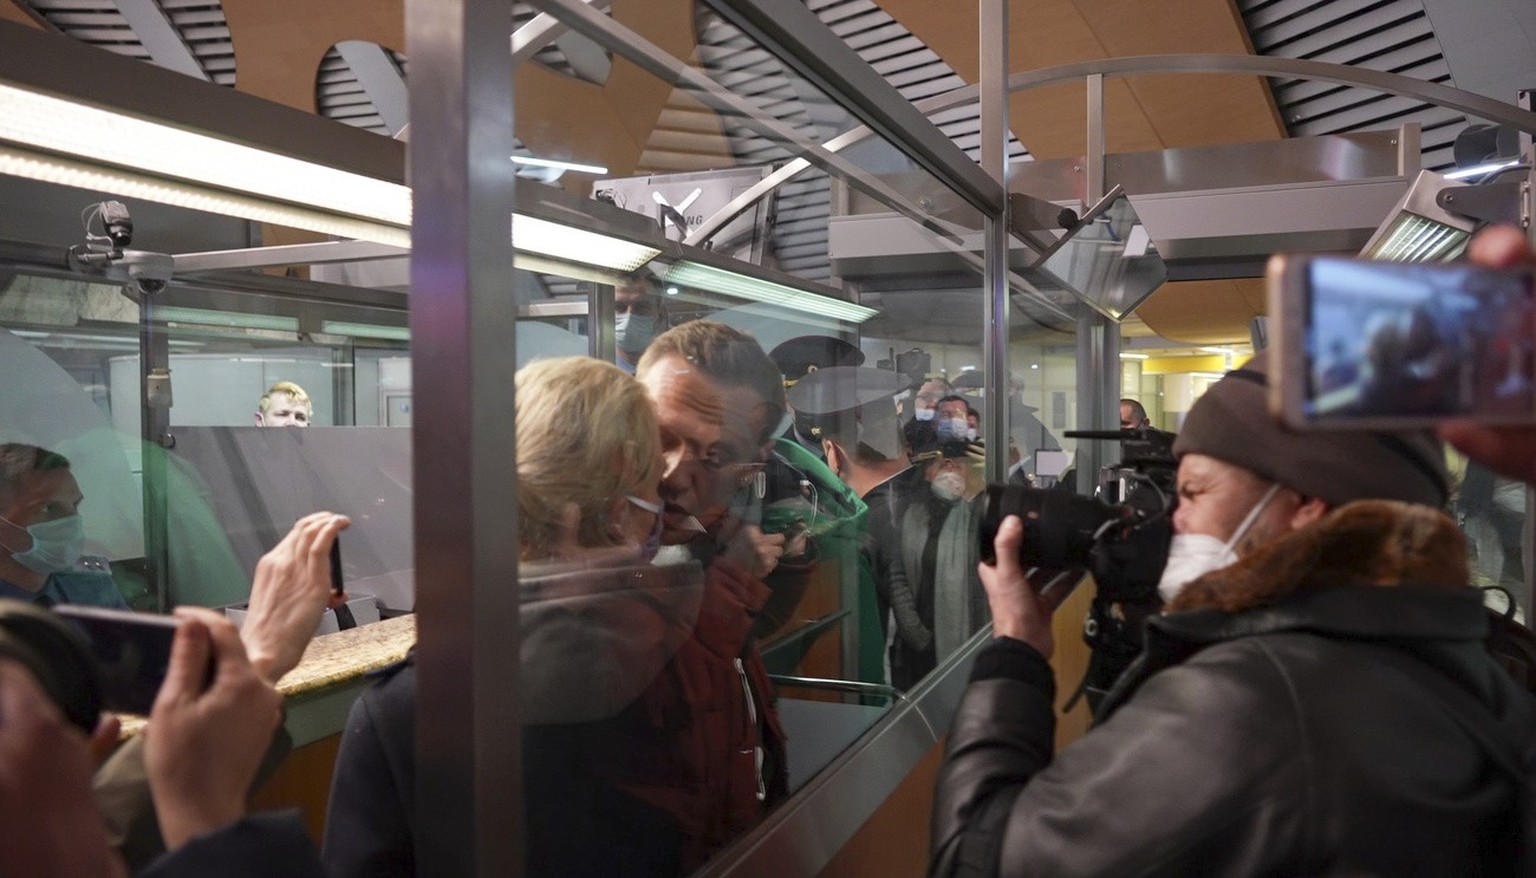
pixel 1526 98
pixel 1098 337
pixel 463 320
pixel 1410 153
pixel 155 433
pixel 1098 394
pixel 1093 149
pixel 994 160
pixel 600 314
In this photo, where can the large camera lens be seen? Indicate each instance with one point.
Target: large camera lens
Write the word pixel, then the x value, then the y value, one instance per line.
pixel 1060 528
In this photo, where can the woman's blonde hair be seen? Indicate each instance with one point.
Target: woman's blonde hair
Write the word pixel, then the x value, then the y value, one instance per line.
pixel 586 434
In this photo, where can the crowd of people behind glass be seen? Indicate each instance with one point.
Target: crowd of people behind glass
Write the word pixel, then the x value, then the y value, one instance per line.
pixel 697 522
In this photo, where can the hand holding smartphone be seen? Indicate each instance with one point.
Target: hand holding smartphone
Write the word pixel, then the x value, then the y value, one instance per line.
pixel 344 618
pixel 1388 346
pixel 132 651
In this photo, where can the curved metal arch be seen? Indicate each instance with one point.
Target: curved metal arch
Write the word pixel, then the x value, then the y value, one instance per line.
pixel 1321 71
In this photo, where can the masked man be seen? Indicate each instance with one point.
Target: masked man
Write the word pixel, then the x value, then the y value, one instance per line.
pixel 42 536
pixel 1326 705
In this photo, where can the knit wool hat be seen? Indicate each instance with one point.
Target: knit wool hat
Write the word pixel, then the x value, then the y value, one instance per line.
pixel 1231 422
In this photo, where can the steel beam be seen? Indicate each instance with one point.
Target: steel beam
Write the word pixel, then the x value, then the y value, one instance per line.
pixel 793 34
pixel 160 38
pixel 462 313
pixel 993 34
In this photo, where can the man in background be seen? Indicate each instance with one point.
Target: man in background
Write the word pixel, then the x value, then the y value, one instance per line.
pixel 639 315
pixel 1133 415
pixel 285 404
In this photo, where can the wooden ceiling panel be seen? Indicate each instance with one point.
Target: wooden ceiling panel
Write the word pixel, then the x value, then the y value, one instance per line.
pixel 1204 311
pixel 1140 113
pixel 279 43
pixel 10 11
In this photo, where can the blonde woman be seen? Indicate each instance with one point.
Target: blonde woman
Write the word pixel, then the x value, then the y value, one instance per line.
pixel 624 677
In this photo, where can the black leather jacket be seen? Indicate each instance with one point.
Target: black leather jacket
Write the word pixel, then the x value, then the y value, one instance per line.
pixel 1354 731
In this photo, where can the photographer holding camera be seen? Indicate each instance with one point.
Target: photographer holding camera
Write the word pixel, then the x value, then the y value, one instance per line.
pixel 1324 705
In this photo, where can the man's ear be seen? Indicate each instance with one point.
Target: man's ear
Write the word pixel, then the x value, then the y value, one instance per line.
pixel 1309 510
pixel 258 419
pixel 829 448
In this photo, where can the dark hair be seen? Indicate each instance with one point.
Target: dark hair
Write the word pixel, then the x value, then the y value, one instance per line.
pixel 1137 409
pixel 921 437
pixel 726 355
pixel 953 397
pixel 17 460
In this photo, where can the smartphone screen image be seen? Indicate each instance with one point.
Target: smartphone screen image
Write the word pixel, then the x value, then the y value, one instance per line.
pixel 132 650
pixel 1392 342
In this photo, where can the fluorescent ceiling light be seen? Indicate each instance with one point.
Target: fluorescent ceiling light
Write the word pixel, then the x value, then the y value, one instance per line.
pixel 730 283
pixel 204 317
pixel 558 165
pixel 1419 229
pixel 1480 170
pixel 68 143
pixel 1412 238
pixel 131 184
pixel 106 137
pixel 1124 355
pixel 578 245
pixel 365 330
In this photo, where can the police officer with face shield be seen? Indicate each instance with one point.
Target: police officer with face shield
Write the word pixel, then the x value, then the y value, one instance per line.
pixel 42 536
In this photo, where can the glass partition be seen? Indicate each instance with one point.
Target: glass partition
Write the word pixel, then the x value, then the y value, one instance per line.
pixel 782 506
pixel 64 459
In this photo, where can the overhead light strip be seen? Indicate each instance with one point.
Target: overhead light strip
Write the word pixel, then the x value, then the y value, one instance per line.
pixel 236 319
pixel 576 167
pixel 365 330
pixel 106 137
pixel 130 184
pixel 68 143
pixel 707 277
pixel 1480 170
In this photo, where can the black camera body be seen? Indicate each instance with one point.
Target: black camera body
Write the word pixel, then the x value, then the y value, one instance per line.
pixel 1124 545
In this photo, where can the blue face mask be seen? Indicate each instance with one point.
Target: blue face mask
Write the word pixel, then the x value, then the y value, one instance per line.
pixel 633 333
pixel 953 429
pixel 56 545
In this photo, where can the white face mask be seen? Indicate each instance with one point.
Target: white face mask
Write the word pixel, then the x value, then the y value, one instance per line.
pixel 1191 556
pixel 949 486
pixel 924 414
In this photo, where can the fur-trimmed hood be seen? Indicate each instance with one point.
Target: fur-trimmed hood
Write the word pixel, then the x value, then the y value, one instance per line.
pixel 1372 543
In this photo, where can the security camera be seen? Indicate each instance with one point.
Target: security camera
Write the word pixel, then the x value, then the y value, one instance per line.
pixel 150 271
pixel 119 225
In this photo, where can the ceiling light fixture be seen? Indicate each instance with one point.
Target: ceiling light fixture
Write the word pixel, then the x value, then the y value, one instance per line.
pixel 233 319
pixel 557 164
pixel 1480 170
pixel 61 141
pixel 365 330
pixel 688 273
pixel 1418 229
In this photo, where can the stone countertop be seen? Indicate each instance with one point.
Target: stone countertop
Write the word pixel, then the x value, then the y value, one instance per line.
pixel 347 655
pixel 335 658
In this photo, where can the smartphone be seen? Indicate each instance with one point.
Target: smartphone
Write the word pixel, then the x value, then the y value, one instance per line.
pixel 337 585
pixel 132 651
pixel 344 617
pixel 1366 345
